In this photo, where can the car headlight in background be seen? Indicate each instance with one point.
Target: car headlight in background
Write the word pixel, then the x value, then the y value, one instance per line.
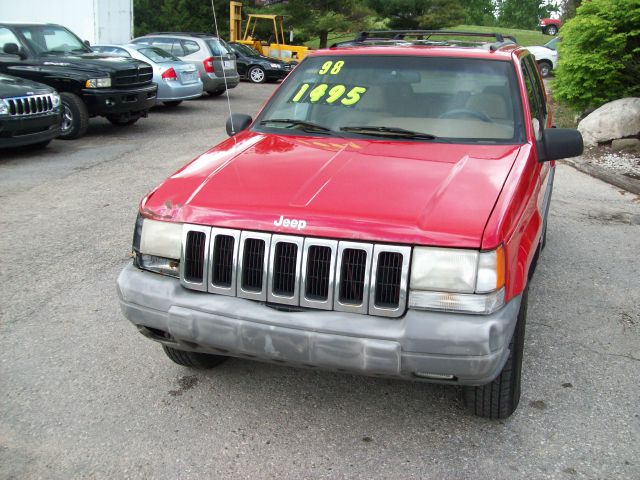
pixel 55 100
pixel 98 82
pixel 457 280
pixel 156 246
pixel 4 107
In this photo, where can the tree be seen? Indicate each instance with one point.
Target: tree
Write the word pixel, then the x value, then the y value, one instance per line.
pixel 424 14
pixel 318 18
pixel 479 12
pixel 523 13
pixel 599 54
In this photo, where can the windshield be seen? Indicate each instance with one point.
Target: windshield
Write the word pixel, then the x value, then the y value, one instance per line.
pixel 157 55
pixel 449 99
pixel 553 44
pixel 245 50
pixel 52 40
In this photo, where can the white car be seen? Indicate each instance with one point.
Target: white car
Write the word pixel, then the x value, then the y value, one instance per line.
pixel 546 56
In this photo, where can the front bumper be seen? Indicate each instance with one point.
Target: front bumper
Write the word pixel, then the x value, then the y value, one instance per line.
pixel 112 101
pixel 472 348
pixel 27 130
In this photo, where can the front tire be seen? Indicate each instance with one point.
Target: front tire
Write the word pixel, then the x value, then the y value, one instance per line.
pixel 201 361
pixel 545 68
pixel 552 30
pixel 500 398
pixel 75 117
pixel 257 75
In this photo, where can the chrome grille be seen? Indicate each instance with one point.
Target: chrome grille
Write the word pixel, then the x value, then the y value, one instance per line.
pixel 309 272
pixel 31 105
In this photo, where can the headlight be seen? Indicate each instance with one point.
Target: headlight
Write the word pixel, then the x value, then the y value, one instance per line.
pixel 55 100
pixel 4 107
pixel 156 246
pixel 98 83
pixel 457 280
pixel 275 65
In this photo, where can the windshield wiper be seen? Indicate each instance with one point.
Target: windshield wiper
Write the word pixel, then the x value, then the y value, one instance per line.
pixel 388 132
pixel 300 125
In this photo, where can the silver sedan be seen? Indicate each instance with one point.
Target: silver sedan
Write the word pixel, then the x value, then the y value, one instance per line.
pixel 177 80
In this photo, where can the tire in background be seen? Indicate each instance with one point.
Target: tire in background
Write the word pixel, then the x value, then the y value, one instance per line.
pixel 196 360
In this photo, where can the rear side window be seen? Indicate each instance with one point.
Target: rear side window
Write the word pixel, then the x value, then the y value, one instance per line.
pixel 190 46
pixel 169 45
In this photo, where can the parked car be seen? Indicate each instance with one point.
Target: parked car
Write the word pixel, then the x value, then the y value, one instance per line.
pixel 90 85
pixel 176 80
pixel 30 113
pixel 550 26
pixel 258 68
pixel 382 215
pixel 211 55
pixel 546 56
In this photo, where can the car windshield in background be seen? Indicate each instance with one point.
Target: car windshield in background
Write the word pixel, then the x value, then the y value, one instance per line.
pixel 217 48
pixel 245 50
pixel 157 55
pixel 52 40
pixel 420 98
pixel 553 44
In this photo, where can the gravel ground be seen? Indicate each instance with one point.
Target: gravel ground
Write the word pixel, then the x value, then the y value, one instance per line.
pixel 85 396
pixel 620 163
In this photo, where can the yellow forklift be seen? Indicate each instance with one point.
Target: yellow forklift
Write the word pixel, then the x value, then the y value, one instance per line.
pixel 279 49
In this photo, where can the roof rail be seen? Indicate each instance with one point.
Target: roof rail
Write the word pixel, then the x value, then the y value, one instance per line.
pixel 193 34
pixel 399 35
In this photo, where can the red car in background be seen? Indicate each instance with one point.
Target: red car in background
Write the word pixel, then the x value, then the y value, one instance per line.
pixel 383 215
pixel 550 26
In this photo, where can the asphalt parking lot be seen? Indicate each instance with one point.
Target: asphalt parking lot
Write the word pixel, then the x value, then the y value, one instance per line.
pixel 83 395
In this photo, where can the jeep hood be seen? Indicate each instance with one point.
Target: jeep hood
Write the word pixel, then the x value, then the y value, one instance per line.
pixel 17 87
pixel 390 191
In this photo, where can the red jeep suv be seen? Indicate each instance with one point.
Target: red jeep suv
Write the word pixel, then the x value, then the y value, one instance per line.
pixel 382 215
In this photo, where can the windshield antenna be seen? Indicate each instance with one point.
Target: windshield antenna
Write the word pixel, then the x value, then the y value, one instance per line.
pixel 224 74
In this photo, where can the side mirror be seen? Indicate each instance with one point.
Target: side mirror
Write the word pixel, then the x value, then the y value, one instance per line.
pixel 559 143
pixel 238 122
pixel 14 49
pixel 86 42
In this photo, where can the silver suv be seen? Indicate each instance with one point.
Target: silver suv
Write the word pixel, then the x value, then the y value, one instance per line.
pixel 211 55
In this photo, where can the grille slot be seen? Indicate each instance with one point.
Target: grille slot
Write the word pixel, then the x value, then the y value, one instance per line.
pixel 284 269
pixel 318 273
pixel 253 265
pixel 222 261
pixel 32 105
pixel 133 76
pixel 194 257
pixel 353 272
pixel 388 277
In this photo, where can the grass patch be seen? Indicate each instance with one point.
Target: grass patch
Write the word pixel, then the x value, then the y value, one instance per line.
pixel 524 37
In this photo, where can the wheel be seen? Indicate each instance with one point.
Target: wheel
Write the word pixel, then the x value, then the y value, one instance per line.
pixel 257 75
pixel 465 112
pixel 552 30
pixel 500 398
pixel 75 117
pixel 193 359
pixel 217 93
pixel 545 68
pixel 122 120
pixel 173 103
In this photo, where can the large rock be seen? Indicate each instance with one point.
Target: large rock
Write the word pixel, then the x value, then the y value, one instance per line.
pixel 617 119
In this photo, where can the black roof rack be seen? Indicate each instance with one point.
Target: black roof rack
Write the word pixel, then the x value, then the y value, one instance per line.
pixel 399 35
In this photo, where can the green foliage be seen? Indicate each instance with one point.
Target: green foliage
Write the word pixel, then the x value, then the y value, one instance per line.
pixel 479 12
pixel 179 15
pixel 599 54
pixel 523 13
pixel 425 14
